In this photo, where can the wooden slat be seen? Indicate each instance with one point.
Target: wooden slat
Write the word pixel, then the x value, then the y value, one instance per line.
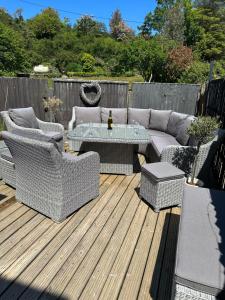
pixel 115 279
pixel 84 271
pixel 166 278
pixel 13 217
pixel 150 281
pixel 5 211
pixel 83 219
pixel 136 269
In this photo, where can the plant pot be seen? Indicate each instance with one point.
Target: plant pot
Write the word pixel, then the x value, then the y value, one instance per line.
pixel 197 182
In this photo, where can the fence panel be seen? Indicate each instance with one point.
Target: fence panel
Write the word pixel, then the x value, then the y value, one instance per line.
pixel 23 92
pixel 178 97
pixel 113 94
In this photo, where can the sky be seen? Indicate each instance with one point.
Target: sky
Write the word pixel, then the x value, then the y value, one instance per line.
pixel 131 10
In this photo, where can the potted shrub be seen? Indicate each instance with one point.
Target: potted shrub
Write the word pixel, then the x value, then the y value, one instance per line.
pixel 202 131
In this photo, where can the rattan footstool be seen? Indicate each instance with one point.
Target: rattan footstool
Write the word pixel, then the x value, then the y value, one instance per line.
pixel 161 185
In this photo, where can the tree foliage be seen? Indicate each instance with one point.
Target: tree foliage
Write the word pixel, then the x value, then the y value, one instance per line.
pixel 119 29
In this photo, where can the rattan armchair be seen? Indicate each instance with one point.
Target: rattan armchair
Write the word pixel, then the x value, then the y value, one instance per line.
pixel 52 182
pixel 44 128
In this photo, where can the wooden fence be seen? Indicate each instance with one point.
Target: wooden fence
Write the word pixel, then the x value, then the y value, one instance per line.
pixel 113 94
pixel 215 106
pixel 178 97
pixel 22 92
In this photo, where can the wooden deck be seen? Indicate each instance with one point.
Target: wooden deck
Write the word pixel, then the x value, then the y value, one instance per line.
pixel 115 247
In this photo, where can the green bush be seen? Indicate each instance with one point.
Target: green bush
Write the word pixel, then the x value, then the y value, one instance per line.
pixel 88 62
pixel 197 73
pixel 73 67
pixel 86 74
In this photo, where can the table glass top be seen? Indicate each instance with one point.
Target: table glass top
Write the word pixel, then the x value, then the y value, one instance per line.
pixel 94 131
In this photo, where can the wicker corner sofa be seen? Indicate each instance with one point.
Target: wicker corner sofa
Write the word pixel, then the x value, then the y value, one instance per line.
pixel 52 182
pixel 168 129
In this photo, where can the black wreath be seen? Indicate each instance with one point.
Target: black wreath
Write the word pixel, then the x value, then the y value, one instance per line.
pixel 89 86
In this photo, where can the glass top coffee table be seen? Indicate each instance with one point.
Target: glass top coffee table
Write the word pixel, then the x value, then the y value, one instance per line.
pixel 115 147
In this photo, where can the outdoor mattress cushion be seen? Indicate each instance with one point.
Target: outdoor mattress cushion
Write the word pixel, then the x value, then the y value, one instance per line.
pixel 175 120
pixel 200 260
pixel 119 115
pixel 182 135
pixel 24 117
pixel 162 171
pixel 161 142
pixel 87 115
pixel 139 116
pixel 159 119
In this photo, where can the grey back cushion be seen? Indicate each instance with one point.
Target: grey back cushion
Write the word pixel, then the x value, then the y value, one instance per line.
pixel 24 117
pixel 182 135
pixel 49 137
pixel 119 115
pixel 139 116
pixel 159 119
pixel 175 121
pixel 87 115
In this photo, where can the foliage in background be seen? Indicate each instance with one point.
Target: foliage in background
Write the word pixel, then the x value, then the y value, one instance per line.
pixel 176 43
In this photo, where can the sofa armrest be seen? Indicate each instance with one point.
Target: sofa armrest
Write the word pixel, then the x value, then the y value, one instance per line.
pixel 48 126
pixel 179 156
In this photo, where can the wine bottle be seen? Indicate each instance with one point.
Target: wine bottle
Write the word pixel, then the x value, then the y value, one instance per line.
pixel 110 120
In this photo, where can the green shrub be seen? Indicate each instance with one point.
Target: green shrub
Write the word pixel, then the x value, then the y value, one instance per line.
pixel 86 74
pixel 74 67
pixel 88 62
pixel 197 73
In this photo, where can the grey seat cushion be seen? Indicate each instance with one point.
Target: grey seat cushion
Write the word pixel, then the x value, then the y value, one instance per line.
pixel 160 142
pixel 87 115
pixel 119 115
pixel 158 133
pixel 159 119
pixel 182 135
pixel 200 261
pixel 139 116
pixel 162 171
pixel 24 117
pixel 175 120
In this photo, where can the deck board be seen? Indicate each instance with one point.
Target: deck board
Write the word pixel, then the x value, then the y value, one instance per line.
pixel 114 247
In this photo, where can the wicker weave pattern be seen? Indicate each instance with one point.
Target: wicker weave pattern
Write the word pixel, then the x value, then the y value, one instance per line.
pixel 33 133
pixel 185 293
pixel 49 182
pixel 161 194
pixel 8 172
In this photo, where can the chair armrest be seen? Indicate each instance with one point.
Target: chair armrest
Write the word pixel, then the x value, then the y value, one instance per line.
pixel 80 172
pixel 48 126
pixel 72 121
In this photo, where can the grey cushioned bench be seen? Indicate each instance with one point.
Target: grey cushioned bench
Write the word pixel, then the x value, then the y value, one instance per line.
pixel 200 259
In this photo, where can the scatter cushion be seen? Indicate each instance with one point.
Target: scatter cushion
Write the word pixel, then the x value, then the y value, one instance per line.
pixel 87 115
pixel 119 115
pixel 161 142
pixel 159 119
pixel 182 135
pixel 24 117
pixel 201 247
pixel 139 116
pixel 175 121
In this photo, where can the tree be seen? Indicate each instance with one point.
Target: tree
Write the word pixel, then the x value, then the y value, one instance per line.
pixel 87 26
pixel 88 62
pixel 211 17
pixel 179 60
pixel 12 54
pixel 118 28
pixel 46 24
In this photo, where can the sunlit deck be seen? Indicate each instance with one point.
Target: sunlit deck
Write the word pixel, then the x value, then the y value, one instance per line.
pixel 115 247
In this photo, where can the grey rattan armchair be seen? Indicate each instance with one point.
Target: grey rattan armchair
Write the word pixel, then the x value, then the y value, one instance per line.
pixel 45 127
pixel 54 183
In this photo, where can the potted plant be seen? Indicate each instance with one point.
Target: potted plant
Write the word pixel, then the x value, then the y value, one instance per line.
pixel 52 105
pixel 202 131
pixel 2 127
